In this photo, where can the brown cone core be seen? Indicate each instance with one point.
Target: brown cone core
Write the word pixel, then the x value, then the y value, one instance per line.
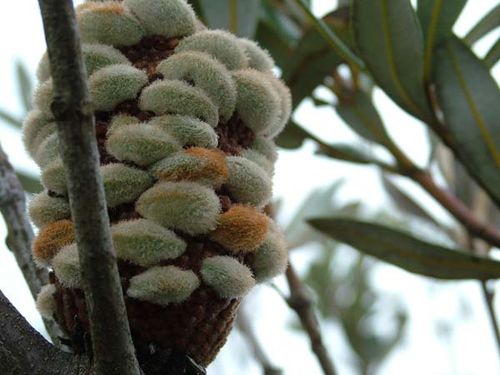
pixel 199 326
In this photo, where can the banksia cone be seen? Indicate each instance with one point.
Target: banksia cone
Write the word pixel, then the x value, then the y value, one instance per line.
pixel 185 121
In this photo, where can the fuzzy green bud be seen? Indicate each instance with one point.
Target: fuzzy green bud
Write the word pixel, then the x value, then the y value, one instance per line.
pixel 285 100
pixel 44 209
pixel 66 265
pixel 36 127
pixel 221 45
pixel 114 84
pixel 266 147
pixel 163 285
pixel 108 22
pixel 205 73
pixel 145 243
pixel 48 150
pixel 142 144
pixel 45 302
pixel 271 258
pixel 258 58
pixel 259 159
pixel 188 131
pixel 228 277
pixel 54 178
pixel 258 103
pixel 123 184
pixel 247 182
pixel 186 206
pixel 170 18
pixel 177 97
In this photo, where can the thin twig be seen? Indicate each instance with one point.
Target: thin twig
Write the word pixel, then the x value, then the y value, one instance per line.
pixel 233 16
pixel 244 326
pixel 20 234
pixel 300 301
pixel 489 296
pixel 113 351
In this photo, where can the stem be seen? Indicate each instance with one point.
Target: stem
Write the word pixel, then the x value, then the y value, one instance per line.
pixel 113 351
pixel 243 324
pixel 300 301
pixel 20 234
pixel 233 16
pixel 488 299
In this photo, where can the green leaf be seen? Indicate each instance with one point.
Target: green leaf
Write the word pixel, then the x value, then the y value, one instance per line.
pixel 389 39
pixel 493 55
pixel 407 252
pixel 292 136
pixel 313 59
pixel 489 22
pixel 30 183
pixel 469 98
pixel 319 202
pixel 345 152
pixel 361 115
pixel 405 203
pixel 25 85
pixel 437 18
pixel 217 14
pixel 10 119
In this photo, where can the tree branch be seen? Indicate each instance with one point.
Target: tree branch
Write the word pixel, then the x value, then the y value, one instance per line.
pixel 24 351
pixel 113 350
pixel 301 303
pixel 243 324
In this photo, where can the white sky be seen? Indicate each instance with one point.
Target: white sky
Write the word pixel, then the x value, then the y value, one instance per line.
pixel 472 348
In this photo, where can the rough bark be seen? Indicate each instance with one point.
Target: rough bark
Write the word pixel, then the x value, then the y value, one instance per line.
pixel 113 351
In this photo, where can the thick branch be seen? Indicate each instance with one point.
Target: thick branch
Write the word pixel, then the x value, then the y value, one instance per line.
pixel 111 340
pixel 24 351
pixel 243 324
pixel 19 231
pixel 300 301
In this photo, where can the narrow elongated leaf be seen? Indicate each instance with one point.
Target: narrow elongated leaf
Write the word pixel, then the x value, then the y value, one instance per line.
pixel 313 59
pixel 489 22
pixel 493 55
pixel 25 85
pixel 30 183
pixel 362 117
pixel 389 40
pixel 292 136
pixel 345 152
pixel 469 98
pixel 217 15
pixel 437 18
pixel 405 202
pixel 10 119
pixel 407 252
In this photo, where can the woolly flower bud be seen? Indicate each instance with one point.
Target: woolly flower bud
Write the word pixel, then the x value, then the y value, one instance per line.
pixel 108 22
pixel 48 151
pixel 163 285
pixel 258 104
pixel 66 265
pixel 43 97
pixel 44 209
pixel 271 258
pixel 221 45
pixel 95 57
pixel 114 84
pixel 177 97
pixel 51 238
pixel 188 131
pixel 187 206
pixel 240 229
pixel 54 178
pixel 265 147
pixel 142 144
pixel 207 167
pixel 247 182
pixel 285 100
pixel 258 58
pixel 205 73
pixel 123 184
pixel 121 120
pixel 228 277
pixel 45 302
pixel 145 243
pixel 36 128
pixel 170 18
pixel 259 159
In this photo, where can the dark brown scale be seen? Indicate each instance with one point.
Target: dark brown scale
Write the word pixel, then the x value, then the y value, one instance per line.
pixel 197 327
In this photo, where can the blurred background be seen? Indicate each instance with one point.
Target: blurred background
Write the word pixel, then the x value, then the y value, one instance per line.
pixel 375 318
